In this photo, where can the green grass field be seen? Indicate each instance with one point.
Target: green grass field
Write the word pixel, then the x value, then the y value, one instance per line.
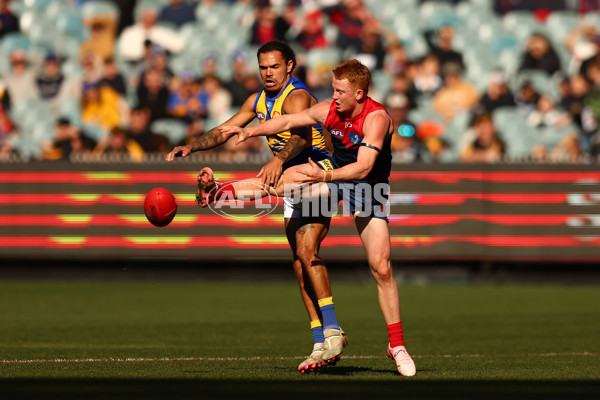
pixel 208 339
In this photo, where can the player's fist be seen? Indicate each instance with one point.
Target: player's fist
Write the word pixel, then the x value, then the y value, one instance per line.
pixel 179 151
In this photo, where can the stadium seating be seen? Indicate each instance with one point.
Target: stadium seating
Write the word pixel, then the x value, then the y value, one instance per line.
pixel 173 129
pixel 224 28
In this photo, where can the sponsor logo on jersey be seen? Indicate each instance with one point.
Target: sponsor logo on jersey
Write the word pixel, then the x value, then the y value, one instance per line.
pixel 275 114
pixel 337 133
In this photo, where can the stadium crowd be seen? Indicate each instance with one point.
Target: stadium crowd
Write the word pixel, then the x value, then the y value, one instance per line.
pixel 480 80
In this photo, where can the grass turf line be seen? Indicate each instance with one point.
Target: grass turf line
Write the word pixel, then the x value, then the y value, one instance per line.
pixel 474 336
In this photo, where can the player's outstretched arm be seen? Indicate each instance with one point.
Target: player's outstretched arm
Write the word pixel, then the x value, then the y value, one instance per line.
pixel 376 127
pixel 314 115
pixel 215 137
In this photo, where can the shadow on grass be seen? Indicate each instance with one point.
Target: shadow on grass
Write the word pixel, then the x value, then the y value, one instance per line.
pixel 304 388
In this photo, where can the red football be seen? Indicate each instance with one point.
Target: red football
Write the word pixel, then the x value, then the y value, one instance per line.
pixel 160 206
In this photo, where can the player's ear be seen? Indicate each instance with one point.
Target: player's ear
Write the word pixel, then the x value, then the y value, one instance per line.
pixel 290 66
pixel 359 94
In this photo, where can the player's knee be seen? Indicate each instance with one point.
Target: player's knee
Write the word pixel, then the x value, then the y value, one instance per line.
pixel 307 255
pixel 382 270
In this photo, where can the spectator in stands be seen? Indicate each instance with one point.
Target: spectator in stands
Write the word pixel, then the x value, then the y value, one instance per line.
pixel 318 79
pixel 405 148
pixel 350 19
pixel 21 82
pixel 585 6
pixel 177 13
pixel 193 131
pixel 456 95
pixel 497 93
pixel 573 100
pixel 541 7
pixel 102 107
pixel 440 45
pixel 122 146
pixel 527 98
pixel 8 21
pixel 401 84
pixel 112 78
pixel 431 134
pixel 135 76
pixel 583 44
pixel 154 94
pixel 396 60
pixel 102 36
pixel 371 52
pixel 158 60
pixel 68 142
pixel 210 62
pixel 427 79
pixel 567 150
pixel 595 58
pixel 126 11
pixel 218 98
pixel 92 66
pixel 591 117
pixel 139 127
pixel 547 115
pixel 6 149
pixel 133 38
pixel 236 86
pixel 268 26
pixel 540 55
pixel 312 32
pixel 187 101
pixel 482 142
pixel 51 79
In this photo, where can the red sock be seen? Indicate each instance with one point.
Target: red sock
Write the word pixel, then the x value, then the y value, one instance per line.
pixel 227 192
pixel 396 334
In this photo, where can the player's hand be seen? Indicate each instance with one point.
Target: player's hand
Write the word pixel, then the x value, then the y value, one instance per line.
pixel 311 174
pixel 271 172
pixel 229 130
pixel 179 151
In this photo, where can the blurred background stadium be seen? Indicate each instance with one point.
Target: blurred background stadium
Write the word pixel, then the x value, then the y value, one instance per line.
pixel 504 96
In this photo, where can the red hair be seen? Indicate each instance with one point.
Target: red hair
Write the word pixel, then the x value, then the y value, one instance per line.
pixel 356 73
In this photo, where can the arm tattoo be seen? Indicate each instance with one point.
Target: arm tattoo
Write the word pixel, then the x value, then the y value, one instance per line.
pixel 208 140
pixel 292 148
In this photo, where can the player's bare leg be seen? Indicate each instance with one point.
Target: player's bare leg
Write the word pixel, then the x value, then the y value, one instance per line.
pixel 308 238
pixel 211 189
pixel 314 361
pixel 375 236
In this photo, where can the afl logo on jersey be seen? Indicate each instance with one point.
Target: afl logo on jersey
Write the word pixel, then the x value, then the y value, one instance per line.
pixel 260 115
pixel 337 133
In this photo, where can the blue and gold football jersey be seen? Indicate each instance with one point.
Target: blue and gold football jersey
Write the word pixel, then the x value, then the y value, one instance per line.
pixel 267 107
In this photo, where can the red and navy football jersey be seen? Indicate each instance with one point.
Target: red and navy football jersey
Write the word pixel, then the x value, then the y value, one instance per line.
pixel 347 135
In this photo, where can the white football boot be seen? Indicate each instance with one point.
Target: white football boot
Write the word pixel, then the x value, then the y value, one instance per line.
pixel 314 361
pixel 404 362
pixel 335 341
